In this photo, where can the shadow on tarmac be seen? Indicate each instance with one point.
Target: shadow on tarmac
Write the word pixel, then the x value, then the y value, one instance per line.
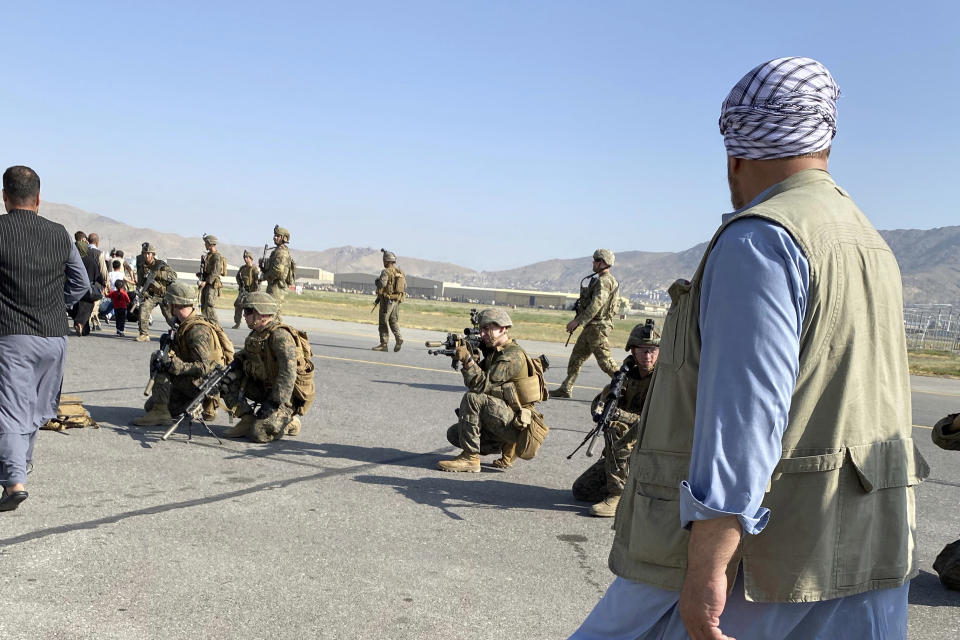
pixel 458 388
pixel 447 492
pixel 927 590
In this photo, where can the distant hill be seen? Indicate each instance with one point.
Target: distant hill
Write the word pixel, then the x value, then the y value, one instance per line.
pixel 929 259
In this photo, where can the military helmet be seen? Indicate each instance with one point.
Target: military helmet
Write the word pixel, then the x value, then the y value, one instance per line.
pixel 181 294
pixel 143 246
pixel 283 233
pixel 606 255
pixel 494 316
pixel 149 248
pixel 261 302
pixel 247 254
pixel 644 335
pixel 208 239
pixel 388 256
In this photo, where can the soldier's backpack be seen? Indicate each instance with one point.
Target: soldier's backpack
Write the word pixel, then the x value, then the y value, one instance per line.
pixel 304 390
pixel 291 273
pixel 398 286
pixel 225 344
pixel 533 389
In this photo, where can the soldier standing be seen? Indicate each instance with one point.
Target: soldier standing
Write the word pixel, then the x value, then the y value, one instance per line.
pixel 602 483
pixel 248 279
pixel 153 277
pixel 595 310
pixel 277 267
pixel 497 413
pixel 197 348
pixel 212 266
pixel 275 371
pixel 391 290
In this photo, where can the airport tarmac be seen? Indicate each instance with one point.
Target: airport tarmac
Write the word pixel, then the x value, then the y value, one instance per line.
pixel 348 530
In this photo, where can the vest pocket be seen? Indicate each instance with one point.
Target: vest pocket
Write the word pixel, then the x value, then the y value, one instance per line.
pixel 656 536
pixel 673 337
pixel 877 512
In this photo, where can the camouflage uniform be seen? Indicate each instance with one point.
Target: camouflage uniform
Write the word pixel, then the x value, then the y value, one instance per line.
pixel 194 353
pixel 390 297
pixel 276 269
pixel 598 304
pixel 153 296
pixel 486 421
pixel 608 475
pixel 248 279
pixel 214 264
pixel 268 365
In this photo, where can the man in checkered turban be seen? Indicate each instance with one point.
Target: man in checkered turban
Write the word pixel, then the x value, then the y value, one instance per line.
pixel 771 493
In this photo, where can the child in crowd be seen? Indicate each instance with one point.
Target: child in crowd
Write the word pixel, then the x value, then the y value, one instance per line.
pixel 106 307
pixel 121 300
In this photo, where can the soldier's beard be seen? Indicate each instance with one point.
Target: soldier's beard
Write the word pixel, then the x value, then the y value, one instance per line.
pixel 736 192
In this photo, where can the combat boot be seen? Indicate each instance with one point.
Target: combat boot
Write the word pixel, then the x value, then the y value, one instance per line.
pixel 397 346
pixel 508 453
pixel 236 325
pixel 293 427
pixel 465 462
pixel 380 347
pixel 561 392
pixel 143 337
pixel 242 428
pixel 157 416
pixel 210 409
pixel 607 508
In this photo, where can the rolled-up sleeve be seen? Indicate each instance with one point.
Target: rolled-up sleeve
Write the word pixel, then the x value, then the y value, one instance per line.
pixel 753 298
pixel 75 282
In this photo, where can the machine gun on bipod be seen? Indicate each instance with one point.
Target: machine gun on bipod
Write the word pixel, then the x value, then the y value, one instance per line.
pixel 603 417
pixel 209 386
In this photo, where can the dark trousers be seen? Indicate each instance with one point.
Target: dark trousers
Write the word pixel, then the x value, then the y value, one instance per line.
pixel 120 317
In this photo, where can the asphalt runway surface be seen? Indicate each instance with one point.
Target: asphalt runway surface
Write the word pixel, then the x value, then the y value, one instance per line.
pixel 348 530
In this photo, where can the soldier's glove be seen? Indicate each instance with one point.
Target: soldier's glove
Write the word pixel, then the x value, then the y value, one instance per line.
pixel 462 352
pixel 267 409
pixel 173 364
pixel 232 377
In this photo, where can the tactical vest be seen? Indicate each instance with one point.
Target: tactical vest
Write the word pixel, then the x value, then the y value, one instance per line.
pixel 157 288
pixel 395 287
pixel 841 498
pixel 521 393
pixel 247 279
pixel 222 347
pixel 588 293
pixel 260 363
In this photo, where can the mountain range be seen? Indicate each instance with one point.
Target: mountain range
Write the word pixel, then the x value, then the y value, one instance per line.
pixel 929 259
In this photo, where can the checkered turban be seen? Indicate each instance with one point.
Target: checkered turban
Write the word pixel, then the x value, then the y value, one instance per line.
pixel 785 107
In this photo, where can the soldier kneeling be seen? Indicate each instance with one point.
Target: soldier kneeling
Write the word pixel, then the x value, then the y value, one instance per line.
pixel 275 371
pixel 497 414
pixel 602 483
pixel 197 347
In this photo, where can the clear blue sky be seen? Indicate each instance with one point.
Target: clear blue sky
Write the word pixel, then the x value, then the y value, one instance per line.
pixel 490 133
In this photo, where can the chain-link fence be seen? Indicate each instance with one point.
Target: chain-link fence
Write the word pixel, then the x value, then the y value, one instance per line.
pixel 935 326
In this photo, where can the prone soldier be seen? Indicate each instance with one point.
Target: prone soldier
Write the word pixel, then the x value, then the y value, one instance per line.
pixel 275 370
pixel 595 310
pixel 602 483
pixel 277 269
pixel 198 346
pixel 391 290
pixel 212 266
pixel 248 279
pixel 153 278
pixel 497 414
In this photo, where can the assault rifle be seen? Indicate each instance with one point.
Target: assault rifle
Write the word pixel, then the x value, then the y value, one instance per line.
pixel 576 307
pixel 139 292
pixel 209 386
pixel 470 338
pixel 608 414
pixel 262 263
pixel 159 357
pixel 203 266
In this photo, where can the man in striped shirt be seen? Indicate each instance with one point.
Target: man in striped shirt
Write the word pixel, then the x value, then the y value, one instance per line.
pixel 40 273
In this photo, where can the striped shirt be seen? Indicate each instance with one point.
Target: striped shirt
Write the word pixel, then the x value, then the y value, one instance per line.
pixel 40 271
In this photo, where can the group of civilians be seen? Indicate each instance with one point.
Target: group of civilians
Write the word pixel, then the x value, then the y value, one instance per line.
pixel 110 283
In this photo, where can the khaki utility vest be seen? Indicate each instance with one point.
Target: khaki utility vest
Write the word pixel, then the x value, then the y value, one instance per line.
pixel 841 498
